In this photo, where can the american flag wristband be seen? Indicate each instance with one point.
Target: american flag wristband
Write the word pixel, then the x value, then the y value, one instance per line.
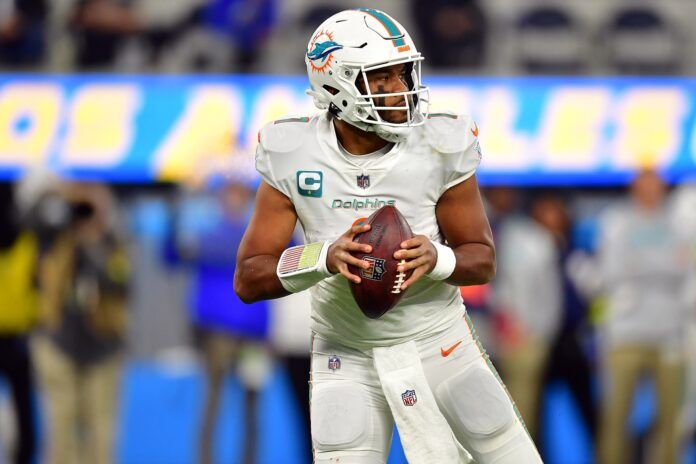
pixel 302 266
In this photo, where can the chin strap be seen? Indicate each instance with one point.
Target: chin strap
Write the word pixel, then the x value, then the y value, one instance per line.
pixel 389 136
pixel 388 133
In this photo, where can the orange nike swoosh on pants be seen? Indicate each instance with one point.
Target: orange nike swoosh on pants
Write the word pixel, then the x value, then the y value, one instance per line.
pixel 449 350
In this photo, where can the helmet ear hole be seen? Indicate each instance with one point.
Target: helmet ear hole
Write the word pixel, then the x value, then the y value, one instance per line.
pixel 331 90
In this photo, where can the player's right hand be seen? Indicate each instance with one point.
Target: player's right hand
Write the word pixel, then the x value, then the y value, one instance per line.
pixel 338 257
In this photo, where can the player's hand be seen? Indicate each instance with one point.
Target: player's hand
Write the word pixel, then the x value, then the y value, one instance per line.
pixel 338 257
pixel 420 255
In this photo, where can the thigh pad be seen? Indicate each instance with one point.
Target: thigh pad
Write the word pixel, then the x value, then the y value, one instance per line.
pixel 476 401
pixel 339 414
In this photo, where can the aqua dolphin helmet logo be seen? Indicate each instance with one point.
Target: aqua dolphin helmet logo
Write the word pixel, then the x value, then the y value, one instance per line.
pixel 320 50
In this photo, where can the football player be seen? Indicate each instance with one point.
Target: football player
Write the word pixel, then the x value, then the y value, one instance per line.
pixel 373 144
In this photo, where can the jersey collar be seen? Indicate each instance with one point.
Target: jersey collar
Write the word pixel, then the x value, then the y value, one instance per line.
pixel 329 140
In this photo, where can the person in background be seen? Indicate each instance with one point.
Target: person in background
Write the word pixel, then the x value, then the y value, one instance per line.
pixel 502 204
pixel 527 301
pixel 453 32
pixel 568 360
pixel 683 214
pixel 100 28
pixel 229 334
pixel 18 313
pixel 214 36
pixel 83 288
pixel 22 32
pixel 131 36
pixel 246 24
pixel 644 266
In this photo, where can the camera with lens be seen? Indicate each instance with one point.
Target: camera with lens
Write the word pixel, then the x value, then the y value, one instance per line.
pixel 53 214
pixel 80 211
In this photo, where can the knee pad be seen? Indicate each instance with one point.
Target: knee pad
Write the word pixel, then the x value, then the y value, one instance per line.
pixel 476 402
pixel 483 418
pixel 339 415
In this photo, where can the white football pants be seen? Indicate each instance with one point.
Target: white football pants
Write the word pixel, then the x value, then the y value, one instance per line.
pixel 352 422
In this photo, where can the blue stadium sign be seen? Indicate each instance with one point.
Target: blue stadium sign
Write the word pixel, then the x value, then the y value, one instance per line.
pixel 552 131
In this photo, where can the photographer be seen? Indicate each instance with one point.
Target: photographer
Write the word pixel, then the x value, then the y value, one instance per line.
pixel 83 277
pixel 18 256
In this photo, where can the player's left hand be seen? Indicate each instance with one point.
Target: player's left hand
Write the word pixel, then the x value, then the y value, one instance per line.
pixel 420 255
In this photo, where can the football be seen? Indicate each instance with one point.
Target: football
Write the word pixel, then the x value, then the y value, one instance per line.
pixel 380 286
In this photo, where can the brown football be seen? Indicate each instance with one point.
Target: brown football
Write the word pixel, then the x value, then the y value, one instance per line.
pixel 379 289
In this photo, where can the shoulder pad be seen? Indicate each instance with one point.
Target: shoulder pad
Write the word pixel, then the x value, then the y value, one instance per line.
pixel 285 135
pixel 449 132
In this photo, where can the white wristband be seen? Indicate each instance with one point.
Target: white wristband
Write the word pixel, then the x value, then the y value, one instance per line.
pixel 445 264
pixel 300 267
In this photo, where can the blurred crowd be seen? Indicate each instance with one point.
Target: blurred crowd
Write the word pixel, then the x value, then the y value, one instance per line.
pixel 596 290
pixel 269 36
pixel 602 299
pixel 65 273
pixel 88 285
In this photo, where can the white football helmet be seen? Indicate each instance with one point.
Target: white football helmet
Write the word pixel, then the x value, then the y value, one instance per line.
pixel 350 44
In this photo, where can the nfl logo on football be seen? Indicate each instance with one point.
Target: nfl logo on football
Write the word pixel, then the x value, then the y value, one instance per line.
pixel 376 269
pixel 409 397
pixel 334 363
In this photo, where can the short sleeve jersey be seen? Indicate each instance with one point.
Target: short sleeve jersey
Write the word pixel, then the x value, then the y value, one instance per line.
pixel 301 158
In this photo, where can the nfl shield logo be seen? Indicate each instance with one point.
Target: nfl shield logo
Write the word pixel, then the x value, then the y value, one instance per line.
pixel 334 363
pixel 409 397
pixel 363 181
pixel 376 269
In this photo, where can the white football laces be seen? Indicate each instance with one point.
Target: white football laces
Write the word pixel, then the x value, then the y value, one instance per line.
pixel 400 279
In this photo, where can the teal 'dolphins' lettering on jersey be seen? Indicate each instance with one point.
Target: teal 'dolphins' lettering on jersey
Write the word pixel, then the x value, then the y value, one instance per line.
pixel 301 158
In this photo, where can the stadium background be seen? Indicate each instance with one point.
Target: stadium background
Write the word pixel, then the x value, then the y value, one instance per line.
pixel 163 101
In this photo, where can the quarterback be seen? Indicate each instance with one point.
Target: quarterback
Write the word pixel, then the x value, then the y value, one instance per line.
pixel 374 144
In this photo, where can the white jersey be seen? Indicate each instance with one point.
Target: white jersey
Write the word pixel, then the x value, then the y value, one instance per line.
pixel 301 158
